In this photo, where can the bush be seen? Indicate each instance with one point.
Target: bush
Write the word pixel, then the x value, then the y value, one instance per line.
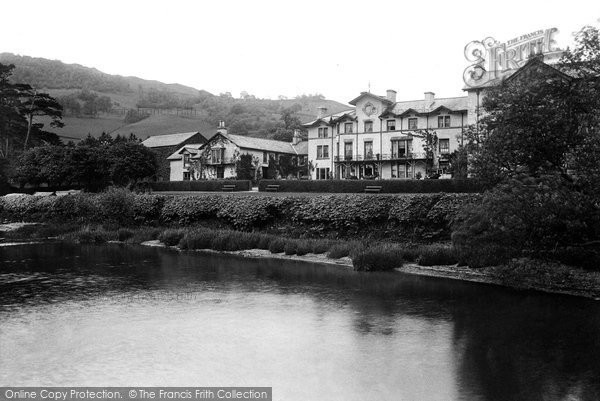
pixel 433 255
pixel 144 234
pixel 524 215
pixel 320 246
pixel 124 234
pixel 264 241
pixel 338 251
pixel 378 258
pixel 303 247
pixel 171 237
pixel 197 239
pixel 358 186
pixel 291 247
pixel 277 246
pixel 91 235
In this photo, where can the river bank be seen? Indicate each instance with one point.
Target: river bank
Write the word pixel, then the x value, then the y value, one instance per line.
pixel 549 278
pixel 521 274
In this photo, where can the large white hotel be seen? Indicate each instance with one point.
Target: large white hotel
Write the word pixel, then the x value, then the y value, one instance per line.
pixel 383 138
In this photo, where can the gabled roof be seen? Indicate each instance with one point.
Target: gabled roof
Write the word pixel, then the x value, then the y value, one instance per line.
pixel 328 118
pixel 450 104
pixel 191 148
pixel 301 148
pixel 158 141
pixel 261 144
pixel 369 94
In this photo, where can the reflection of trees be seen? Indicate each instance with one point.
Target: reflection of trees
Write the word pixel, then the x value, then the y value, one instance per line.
pixel 529 347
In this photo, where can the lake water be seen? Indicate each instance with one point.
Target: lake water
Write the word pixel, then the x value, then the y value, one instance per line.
pixel 118 315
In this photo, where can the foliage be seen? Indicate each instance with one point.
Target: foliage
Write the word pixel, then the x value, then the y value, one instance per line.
pixel 437 254
pixel 93 164
pixel 19 105
pixel 200 185
pixel 525 214
pixel 380 257
pixel 171 237
pixel 244 167
pixel 339 251
pixel 133 116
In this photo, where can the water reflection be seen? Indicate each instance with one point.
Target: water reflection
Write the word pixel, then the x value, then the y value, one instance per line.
pixel 115 315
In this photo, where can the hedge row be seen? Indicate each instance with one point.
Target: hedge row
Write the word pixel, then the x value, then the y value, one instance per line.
pixel 332 215
pixel 203 185
pixel 387 186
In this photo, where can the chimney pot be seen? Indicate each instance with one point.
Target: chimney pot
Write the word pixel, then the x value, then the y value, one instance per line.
pixel 429 97
pixel 391 95
pixel 321 112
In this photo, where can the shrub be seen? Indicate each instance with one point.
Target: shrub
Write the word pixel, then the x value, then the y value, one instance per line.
pixel 291 247
pixel 339 251
pixel 197 239
pixel 91 235
pixel 116 205
pixel 437 254
pixel 264 241
pixel 378 258
pixel 144 234
pixel 320 246
pixel 524 215
pixel 303 247
pixel 147 208
pixel 171 237
pixel 277 245
pixel 124 234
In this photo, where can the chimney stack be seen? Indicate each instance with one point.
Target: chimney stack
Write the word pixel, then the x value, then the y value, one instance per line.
pixel 429 98
pixel 296 139
pixel 391 95
pixel 321 112
pixel 222 129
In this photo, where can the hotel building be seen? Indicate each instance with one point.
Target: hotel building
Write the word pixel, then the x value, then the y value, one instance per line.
pixel 383 138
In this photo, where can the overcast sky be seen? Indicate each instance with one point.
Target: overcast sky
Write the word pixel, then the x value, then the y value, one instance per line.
pixel 271 48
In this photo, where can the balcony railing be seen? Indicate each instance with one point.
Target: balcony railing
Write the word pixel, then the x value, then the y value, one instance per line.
pixel 383 157
pixel 225 160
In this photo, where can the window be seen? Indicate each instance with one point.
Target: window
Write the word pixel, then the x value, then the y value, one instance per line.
pixel 443 121
pixel 216 155
pixel 391 125
pixel 401 148
pixel 323 152
pixel 368 126
pixel 444 146
pixel 265 157
pixel 186 176
pixel 399 170
pixel 186 160
pixel 322 173
pixel 368 150
pixel 348 150
pixel 323 132
pixel 348 128
pixel 412 123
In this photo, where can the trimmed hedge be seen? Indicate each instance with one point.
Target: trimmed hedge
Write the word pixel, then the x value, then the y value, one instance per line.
pixel 203 185
pixel 404 217
pixel 388 186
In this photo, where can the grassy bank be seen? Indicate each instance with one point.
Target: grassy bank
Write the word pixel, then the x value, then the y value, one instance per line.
pixel 438 260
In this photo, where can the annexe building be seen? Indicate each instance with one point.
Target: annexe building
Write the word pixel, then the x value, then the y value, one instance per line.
pixel 165 145
pixel 216 159
pixel 383 138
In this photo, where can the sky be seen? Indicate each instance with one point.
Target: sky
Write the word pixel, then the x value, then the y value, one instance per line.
pixel 271 48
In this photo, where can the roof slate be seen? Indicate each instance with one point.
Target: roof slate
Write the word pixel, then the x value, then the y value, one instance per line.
pixel 158 141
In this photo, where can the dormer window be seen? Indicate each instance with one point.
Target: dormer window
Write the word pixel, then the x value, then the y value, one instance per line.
pixel 217 155
pixel 186 160
pixel 323 132
pixel 412 123
pixel 443 121
pixel 368 126
pixel 391 125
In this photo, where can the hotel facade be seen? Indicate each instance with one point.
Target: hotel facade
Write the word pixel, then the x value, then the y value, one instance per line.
pixel 384 138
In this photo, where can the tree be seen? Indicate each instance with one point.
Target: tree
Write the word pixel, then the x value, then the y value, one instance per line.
pixel 19 105
pixel 245 167
pixel 130 162
pixel 430 144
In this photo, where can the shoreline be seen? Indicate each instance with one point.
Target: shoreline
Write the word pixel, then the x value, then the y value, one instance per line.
pixel 521 275
pixel 452 272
